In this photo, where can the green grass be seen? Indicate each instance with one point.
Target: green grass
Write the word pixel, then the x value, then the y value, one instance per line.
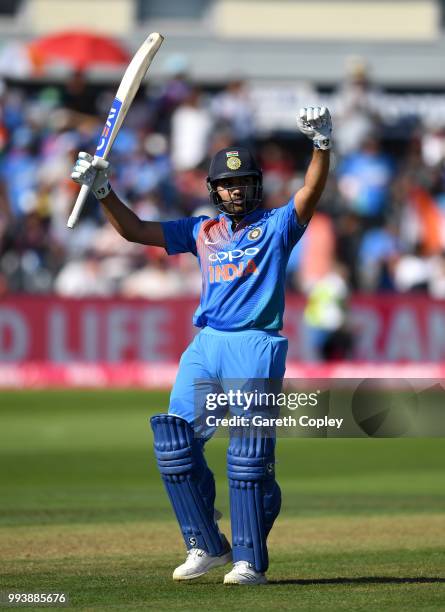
pixel 82 510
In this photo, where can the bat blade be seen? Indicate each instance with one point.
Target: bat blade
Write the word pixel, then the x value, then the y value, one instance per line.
pixel 126 92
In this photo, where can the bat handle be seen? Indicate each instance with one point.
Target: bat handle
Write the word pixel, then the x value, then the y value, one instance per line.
pixel 77 209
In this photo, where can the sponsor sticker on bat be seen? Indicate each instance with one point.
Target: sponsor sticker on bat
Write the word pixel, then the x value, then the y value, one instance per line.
pixel 108 127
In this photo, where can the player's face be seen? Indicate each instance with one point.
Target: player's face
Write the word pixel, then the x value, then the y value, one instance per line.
pixel 234 191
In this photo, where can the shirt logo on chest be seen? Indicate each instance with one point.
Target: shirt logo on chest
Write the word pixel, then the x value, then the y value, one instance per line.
pixel 233 269
pixel 232 255
pixel 255 233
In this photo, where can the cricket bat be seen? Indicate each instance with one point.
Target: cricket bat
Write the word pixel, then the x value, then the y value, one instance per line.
pixel 124 97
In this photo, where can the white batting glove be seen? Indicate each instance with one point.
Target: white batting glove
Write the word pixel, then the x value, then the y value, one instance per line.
pixel 315 122
pixel 92 171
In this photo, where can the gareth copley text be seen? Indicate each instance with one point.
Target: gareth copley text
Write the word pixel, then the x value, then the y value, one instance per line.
pixel 258 420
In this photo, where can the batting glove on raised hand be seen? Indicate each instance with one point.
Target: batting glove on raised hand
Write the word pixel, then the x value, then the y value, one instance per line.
pixel 315 122
pixel 92 171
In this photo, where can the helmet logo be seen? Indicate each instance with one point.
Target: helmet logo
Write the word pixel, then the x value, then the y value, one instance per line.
pixel 255 233
pixel 233 163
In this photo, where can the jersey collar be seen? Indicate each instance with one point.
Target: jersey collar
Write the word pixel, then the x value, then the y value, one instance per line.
pixel 245 221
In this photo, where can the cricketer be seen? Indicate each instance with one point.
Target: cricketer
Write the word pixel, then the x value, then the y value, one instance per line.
pixel 243 253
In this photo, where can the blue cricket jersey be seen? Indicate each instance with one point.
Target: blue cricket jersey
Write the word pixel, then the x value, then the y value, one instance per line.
pixel 243 271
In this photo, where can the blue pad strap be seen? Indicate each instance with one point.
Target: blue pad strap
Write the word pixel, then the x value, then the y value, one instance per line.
pixel 189 482
pixel 255 497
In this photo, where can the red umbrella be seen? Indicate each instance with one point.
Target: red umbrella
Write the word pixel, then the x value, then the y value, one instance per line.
pixel 80 50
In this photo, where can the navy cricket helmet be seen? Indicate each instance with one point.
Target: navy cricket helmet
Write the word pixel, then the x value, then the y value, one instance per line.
pixel 235 162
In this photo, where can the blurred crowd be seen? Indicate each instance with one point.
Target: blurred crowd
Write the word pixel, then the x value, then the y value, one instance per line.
pixel 380 225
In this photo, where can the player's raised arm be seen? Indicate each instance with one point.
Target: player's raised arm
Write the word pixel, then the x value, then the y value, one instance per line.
pixel 316 124
pixel 94 173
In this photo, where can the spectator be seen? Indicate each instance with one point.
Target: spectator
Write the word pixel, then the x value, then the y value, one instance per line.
pixel 82 278
pixel 158 279
pixel 377 252
pixel 325 316
pixel 364 179
pixel 384 222
pixel 232 108
pixel 357 105
pixel 190 132
pixel 19 170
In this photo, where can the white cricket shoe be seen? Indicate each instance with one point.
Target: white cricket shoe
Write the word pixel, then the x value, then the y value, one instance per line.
pixel 244 573
pixel 199 562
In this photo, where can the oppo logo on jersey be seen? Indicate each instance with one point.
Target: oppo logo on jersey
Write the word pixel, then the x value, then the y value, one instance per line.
pixel 232 255
pixel 230 271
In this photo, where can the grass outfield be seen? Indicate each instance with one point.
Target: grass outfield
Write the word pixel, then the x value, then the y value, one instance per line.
pixel 82 510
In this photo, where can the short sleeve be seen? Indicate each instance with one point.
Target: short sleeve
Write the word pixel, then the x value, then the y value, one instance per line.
pixel 180 236
pixel 291 229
